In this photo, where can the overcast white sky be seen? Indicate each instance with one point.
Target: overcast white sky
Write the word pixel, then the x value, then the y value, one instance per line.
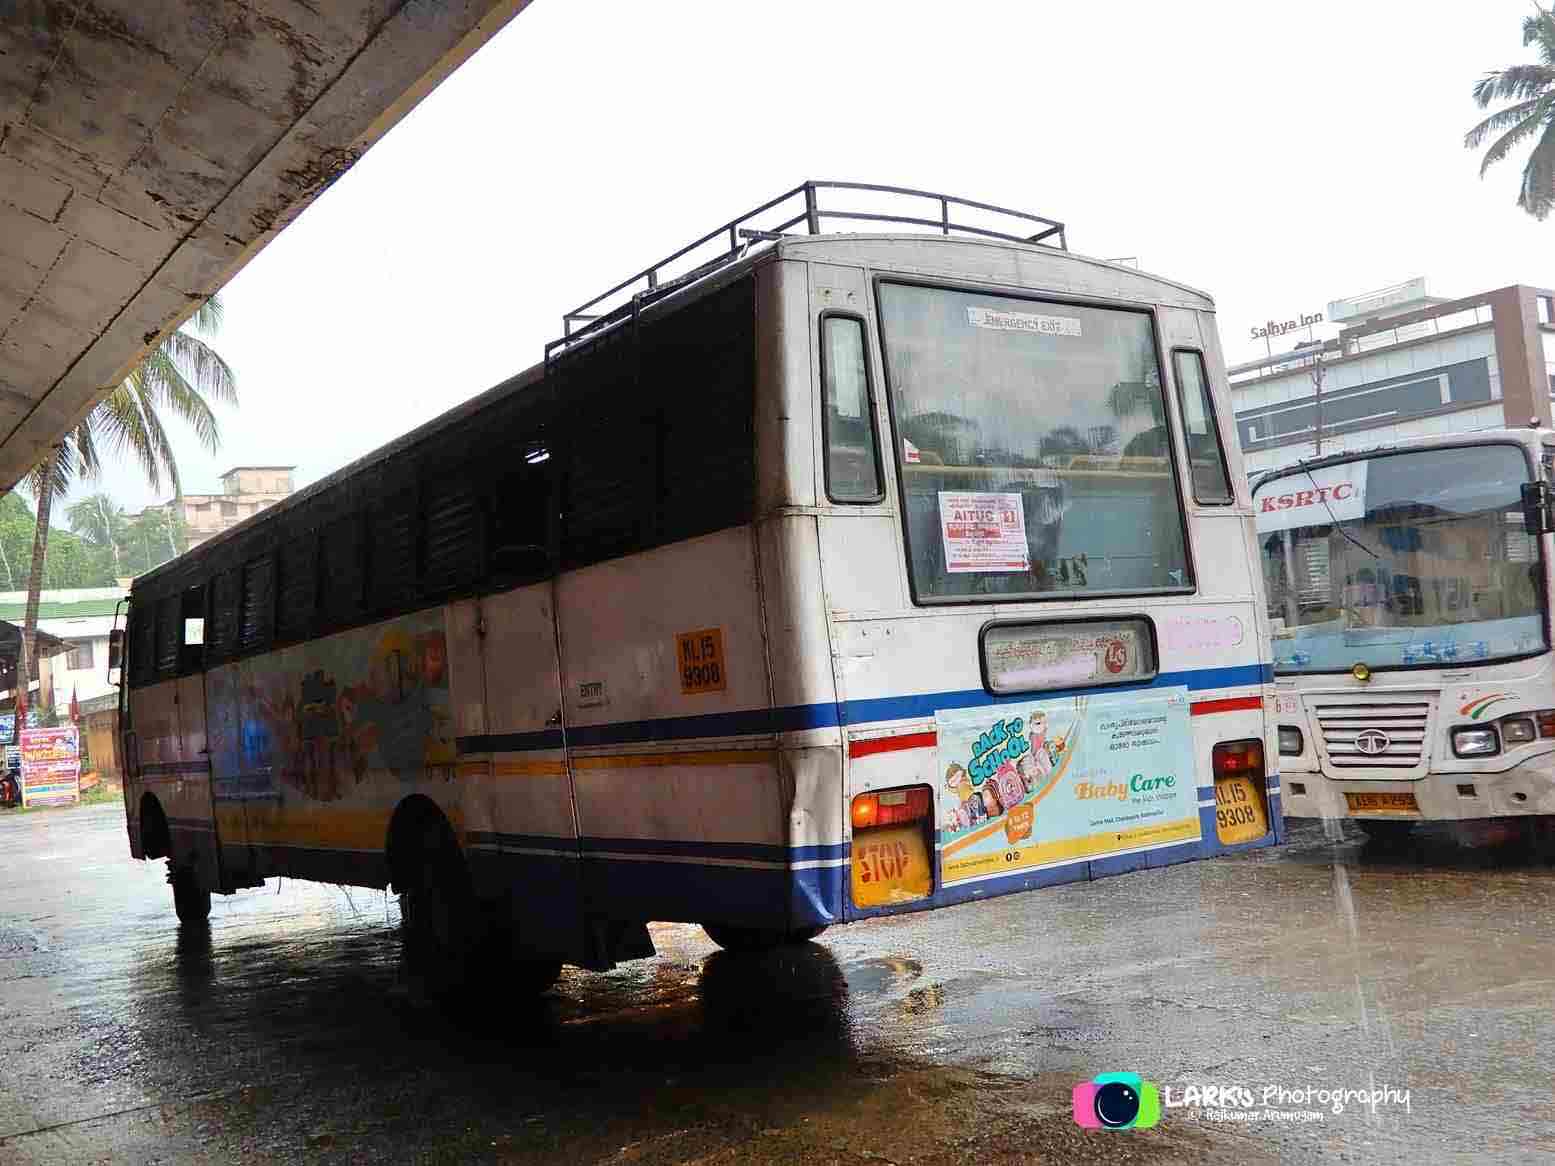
pixel 1278 157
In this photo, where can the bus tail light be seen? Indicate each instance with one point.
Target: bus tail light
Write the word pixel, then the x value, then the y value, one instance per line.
pixel 1241 813
pixel 892 807
pixel 1239 758
pixel 1546 719
pixel 892 829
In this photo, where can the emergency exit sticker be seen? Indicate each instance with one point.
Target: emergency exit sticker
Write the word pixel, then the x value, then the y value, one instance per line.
pixel 700 656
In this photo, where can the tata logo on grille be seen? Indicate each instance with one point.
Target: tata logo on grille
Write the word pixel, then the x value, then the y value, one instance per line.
pixel 1373 742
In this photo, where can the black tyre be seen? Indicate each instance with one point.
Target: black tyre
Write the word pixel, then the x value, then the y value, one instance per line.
pixel 757 938
pixel 437 912
pixel 190 900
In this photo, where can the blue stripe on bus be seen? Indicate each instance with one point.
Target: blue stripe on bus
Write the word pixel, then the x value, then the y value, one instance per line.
pixel 898 708
pixel 694 892
pixel 828 715
pixel 511 742
pixel 748 851
pixel 523 841
pixel 667 847
pixel 792 718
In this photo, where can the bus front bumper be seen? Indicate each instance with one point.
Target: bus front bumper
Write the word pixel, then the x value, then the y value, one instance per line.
pixel 1523 790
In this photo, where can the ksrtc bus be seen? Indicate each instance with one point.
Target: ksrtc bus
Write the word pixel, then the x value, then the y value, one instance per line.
pixel 849 574
pixel 1409 594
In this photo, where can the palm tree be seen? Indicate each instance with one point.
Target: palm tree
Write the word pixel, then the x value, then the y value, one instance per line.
pixel 182 376
pixel 100 520
pixel 1531 90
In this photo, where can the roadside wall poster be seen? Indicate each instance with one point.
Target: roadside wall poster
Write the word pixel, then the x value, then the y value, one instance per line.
pixel 983 532
pixel 51 767
pixel 1052 780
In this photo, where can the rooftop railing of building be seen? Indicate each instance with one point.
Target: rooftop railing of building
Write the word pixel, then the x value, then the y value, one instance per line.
pixel 1358 343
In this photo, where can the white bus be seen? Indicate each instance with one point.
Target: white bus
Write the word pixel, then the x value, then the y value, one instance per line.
pixel 1410 606
pixel 845 574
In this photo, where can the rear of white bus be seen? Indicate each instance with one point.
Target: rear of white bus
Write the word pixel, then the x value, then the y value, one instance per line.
pixel 1408 590
pixel 1035 546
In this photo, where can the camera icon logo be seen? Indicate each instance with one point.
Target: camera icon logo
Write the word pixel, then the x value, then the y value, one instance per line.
pixel 1117 1101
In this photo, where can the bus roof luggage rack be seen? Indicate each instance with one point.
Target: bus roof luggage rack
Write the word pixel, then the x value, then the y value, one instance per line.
pixel 776 219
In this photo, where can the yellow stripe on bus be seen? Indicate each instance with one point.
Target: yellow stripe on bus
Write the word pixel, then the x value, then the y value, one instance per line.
pixel 311 826
pixel 555 768
pixel 512 768
pixel 1069 849
pixel 263 823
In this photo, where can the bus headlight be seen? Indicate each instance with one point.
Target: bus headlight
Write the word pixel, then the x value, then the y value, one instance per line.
pixel 1518 731
pixel 1290 741
pixel 1475 742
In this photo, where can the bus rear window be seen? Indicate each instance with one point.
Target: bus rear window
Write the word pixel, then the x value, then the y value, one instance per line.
pixel 1032 443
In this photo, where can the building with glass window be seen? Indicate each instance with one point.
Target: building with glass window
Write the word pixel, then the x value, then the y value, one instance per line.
pixel 1405 364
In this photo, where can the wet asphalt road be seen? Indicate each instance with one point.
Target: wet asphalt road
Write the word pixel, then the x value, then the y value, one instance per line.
pixel 291 1032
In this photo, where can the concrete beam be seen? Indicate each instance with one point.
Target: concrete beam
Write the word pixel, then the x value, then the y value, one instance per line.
pixel 150 148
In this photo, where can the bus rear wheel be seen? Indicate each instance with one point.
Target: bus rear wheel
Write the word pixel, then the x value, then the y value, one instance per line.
pixel 732 938
pixel 437 912
pixel 190 900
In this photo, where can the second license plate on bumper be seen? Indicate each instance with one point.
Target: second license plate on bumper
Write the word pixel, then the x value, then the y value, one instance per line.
pixel 890 865
pixel 1383 803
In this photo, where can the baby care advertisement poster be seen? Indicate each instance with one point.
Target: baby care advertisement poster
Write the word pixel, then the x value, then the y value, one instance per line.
pixel 1057 779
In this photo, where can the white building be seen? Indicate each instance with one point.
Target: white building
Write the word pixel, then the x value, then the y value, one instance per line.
pixel 82 617
pixel 1405 364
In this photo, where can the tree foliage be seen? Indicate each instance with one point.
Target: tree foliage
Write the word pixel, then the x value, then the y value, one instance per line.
pixel 1529 115
pixel 180 377
pixel 73 561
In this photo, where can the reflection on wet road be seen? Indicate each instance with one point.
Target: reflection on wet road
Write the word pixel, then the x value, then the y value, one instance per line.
pixel 292 1032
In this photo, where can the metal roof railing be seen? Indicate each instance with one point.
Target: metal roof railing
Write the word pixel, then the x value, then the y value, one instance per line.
pixel 778 218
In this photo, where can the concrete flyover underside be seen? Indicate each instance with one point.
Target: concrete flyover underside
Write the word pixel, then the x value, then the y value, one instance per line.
pixel 150 148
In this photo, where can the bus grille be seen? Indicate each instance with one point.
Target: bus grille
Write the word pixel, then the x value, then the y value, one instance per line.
pixel 1348 728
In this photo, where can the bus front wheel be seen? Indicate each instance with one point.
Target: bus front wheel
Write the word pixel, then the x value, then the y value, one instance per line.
pixel 757 938
pixel 190 900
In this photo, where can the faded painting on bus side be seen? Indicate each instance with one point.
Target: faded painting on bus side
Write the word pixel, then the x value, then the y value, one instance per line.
pixel 320 718
pixel 1064 778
